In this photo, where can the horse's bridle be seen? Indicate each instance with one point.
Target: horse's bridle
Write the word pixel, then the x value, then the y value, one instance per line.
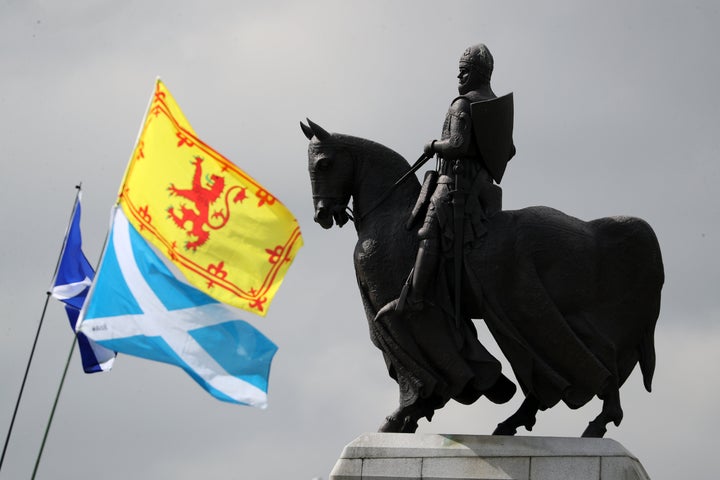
pixel 349 211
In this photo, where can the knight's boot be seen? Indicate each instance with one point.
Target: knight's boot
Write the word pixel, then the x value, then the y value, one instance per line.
pixel 423 274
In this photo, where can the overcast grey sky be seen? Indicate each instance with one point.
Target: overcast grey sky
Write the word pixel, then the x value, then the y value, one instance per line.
pixel 617 112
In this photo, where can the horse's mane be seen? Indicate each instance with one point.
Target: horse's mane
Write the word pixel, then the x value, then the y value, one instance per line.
pixel 387 157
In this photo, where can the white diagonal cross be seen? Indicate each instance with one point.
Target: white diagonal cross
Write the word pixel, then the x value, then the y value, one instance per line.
pixel 171 325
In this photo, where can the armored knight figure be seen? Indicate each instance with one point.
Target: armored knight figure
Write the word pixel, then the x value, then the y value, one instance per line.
pixel 474 148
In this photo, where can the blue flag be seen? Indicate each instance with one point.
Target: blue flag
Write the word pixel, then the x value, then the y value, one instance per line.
pixel 140 305
pixel 71 284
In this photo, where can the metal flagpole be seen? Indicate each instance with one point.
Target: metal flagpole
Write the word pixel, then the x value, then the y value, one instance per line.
pixel 22 385
pixel 52 412
pixel 37 335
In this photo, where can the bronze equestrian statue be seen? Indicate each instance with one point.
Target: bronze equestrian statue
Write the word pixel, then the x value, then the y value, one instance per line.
pixel 572 304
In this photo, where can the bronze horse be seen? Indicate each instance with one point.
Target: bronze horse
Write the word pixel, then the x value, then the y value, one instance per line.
pixel 572 304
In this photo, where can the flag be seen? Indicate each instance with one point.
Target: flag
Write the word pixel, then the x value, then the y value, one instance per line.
pixel 230 237
pixel 141 305
pixel 70 285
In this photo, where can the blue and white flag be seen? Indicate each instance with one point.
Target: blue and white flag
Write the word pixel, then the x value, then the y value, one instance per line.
pixel 70 285
pixel 139 306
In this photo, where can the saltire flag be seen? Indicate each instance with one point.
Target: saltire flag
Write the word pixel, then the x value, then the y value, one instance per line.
pixel 71 284
pixel 231 238
pixel 192 236
pixel 141 305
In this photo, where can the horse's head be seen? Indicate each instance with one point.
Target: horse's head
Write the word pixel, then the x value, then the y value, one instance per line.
pixel 331 174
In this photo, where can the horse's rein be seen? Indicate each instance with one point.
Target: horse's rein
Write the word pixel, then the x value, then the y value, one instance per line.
pixel 415 167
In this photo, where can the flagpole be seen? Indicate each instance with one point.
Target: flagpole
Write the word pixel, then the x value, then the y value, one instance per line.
pixel 52 412
pixel 22 385
pixel 37 335
pixel 137 139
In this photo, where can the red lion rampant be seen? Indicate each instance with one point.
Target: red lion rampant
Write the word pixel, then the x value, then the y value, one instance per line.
pixel 202 197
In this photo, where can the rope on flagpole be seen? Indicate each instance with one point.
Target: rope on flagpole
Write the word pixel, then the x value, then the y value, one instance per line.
pixel 52 412
pixel 37 335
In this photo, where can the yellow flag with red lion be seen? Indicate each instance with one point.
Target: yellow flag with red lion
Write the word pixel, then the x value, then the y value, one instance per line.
pixel 231 238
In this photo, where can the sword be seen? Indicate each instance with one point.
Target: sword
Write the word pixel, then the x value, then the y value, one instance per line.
pixel 458 202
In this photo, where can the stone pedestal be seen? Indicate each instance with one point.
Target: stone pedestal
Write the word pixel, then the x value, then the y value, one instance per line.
pixel 395 456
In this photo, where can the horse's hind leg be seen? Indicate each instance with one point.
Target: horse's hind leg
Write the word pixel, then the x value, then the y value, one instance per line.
pixel 524 417
pixel 611 412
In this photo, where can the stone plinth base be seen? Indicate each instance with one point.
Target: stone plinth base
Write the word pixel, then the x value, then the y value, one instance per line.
pixel 386 456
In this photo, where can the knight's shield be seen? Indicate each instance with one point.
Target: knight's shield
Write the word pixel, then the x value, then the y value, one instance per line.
pixel 493 126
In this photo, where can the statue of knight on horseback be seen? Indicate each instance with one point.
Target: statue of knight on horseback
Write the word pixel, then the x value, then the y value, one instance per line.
pixel 572 304
pixel 458 198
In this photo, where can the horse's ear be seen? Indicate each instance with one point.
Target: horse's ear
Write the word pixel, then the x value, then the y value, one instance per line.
pixel 318 131
pixel 306 130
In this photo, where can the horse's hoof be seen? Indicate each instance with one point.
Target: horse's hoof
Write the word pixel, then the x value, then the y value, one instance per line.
pixel 391 425
pixel 409 425
pixel 530 424
pixel 617 416
pixel 505 429
pixel 397 425
pixel 595 430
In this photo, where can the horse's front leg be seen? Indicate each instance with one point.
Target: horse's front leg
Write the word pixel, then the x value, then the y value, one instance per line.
pixel 405 419
pixel 523 417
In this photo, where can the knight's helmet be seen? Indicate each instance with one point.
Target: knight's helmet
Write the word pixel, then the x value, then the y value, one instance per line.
pixel 479 58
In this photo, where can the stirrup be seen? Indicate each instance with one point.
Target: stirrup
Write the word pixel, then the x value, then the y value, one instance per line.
pixel 388 308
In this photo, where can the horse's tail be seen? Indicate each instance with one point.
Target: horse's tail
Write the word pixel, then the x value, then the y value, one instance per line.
pixel 647 359
pixel 655 280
